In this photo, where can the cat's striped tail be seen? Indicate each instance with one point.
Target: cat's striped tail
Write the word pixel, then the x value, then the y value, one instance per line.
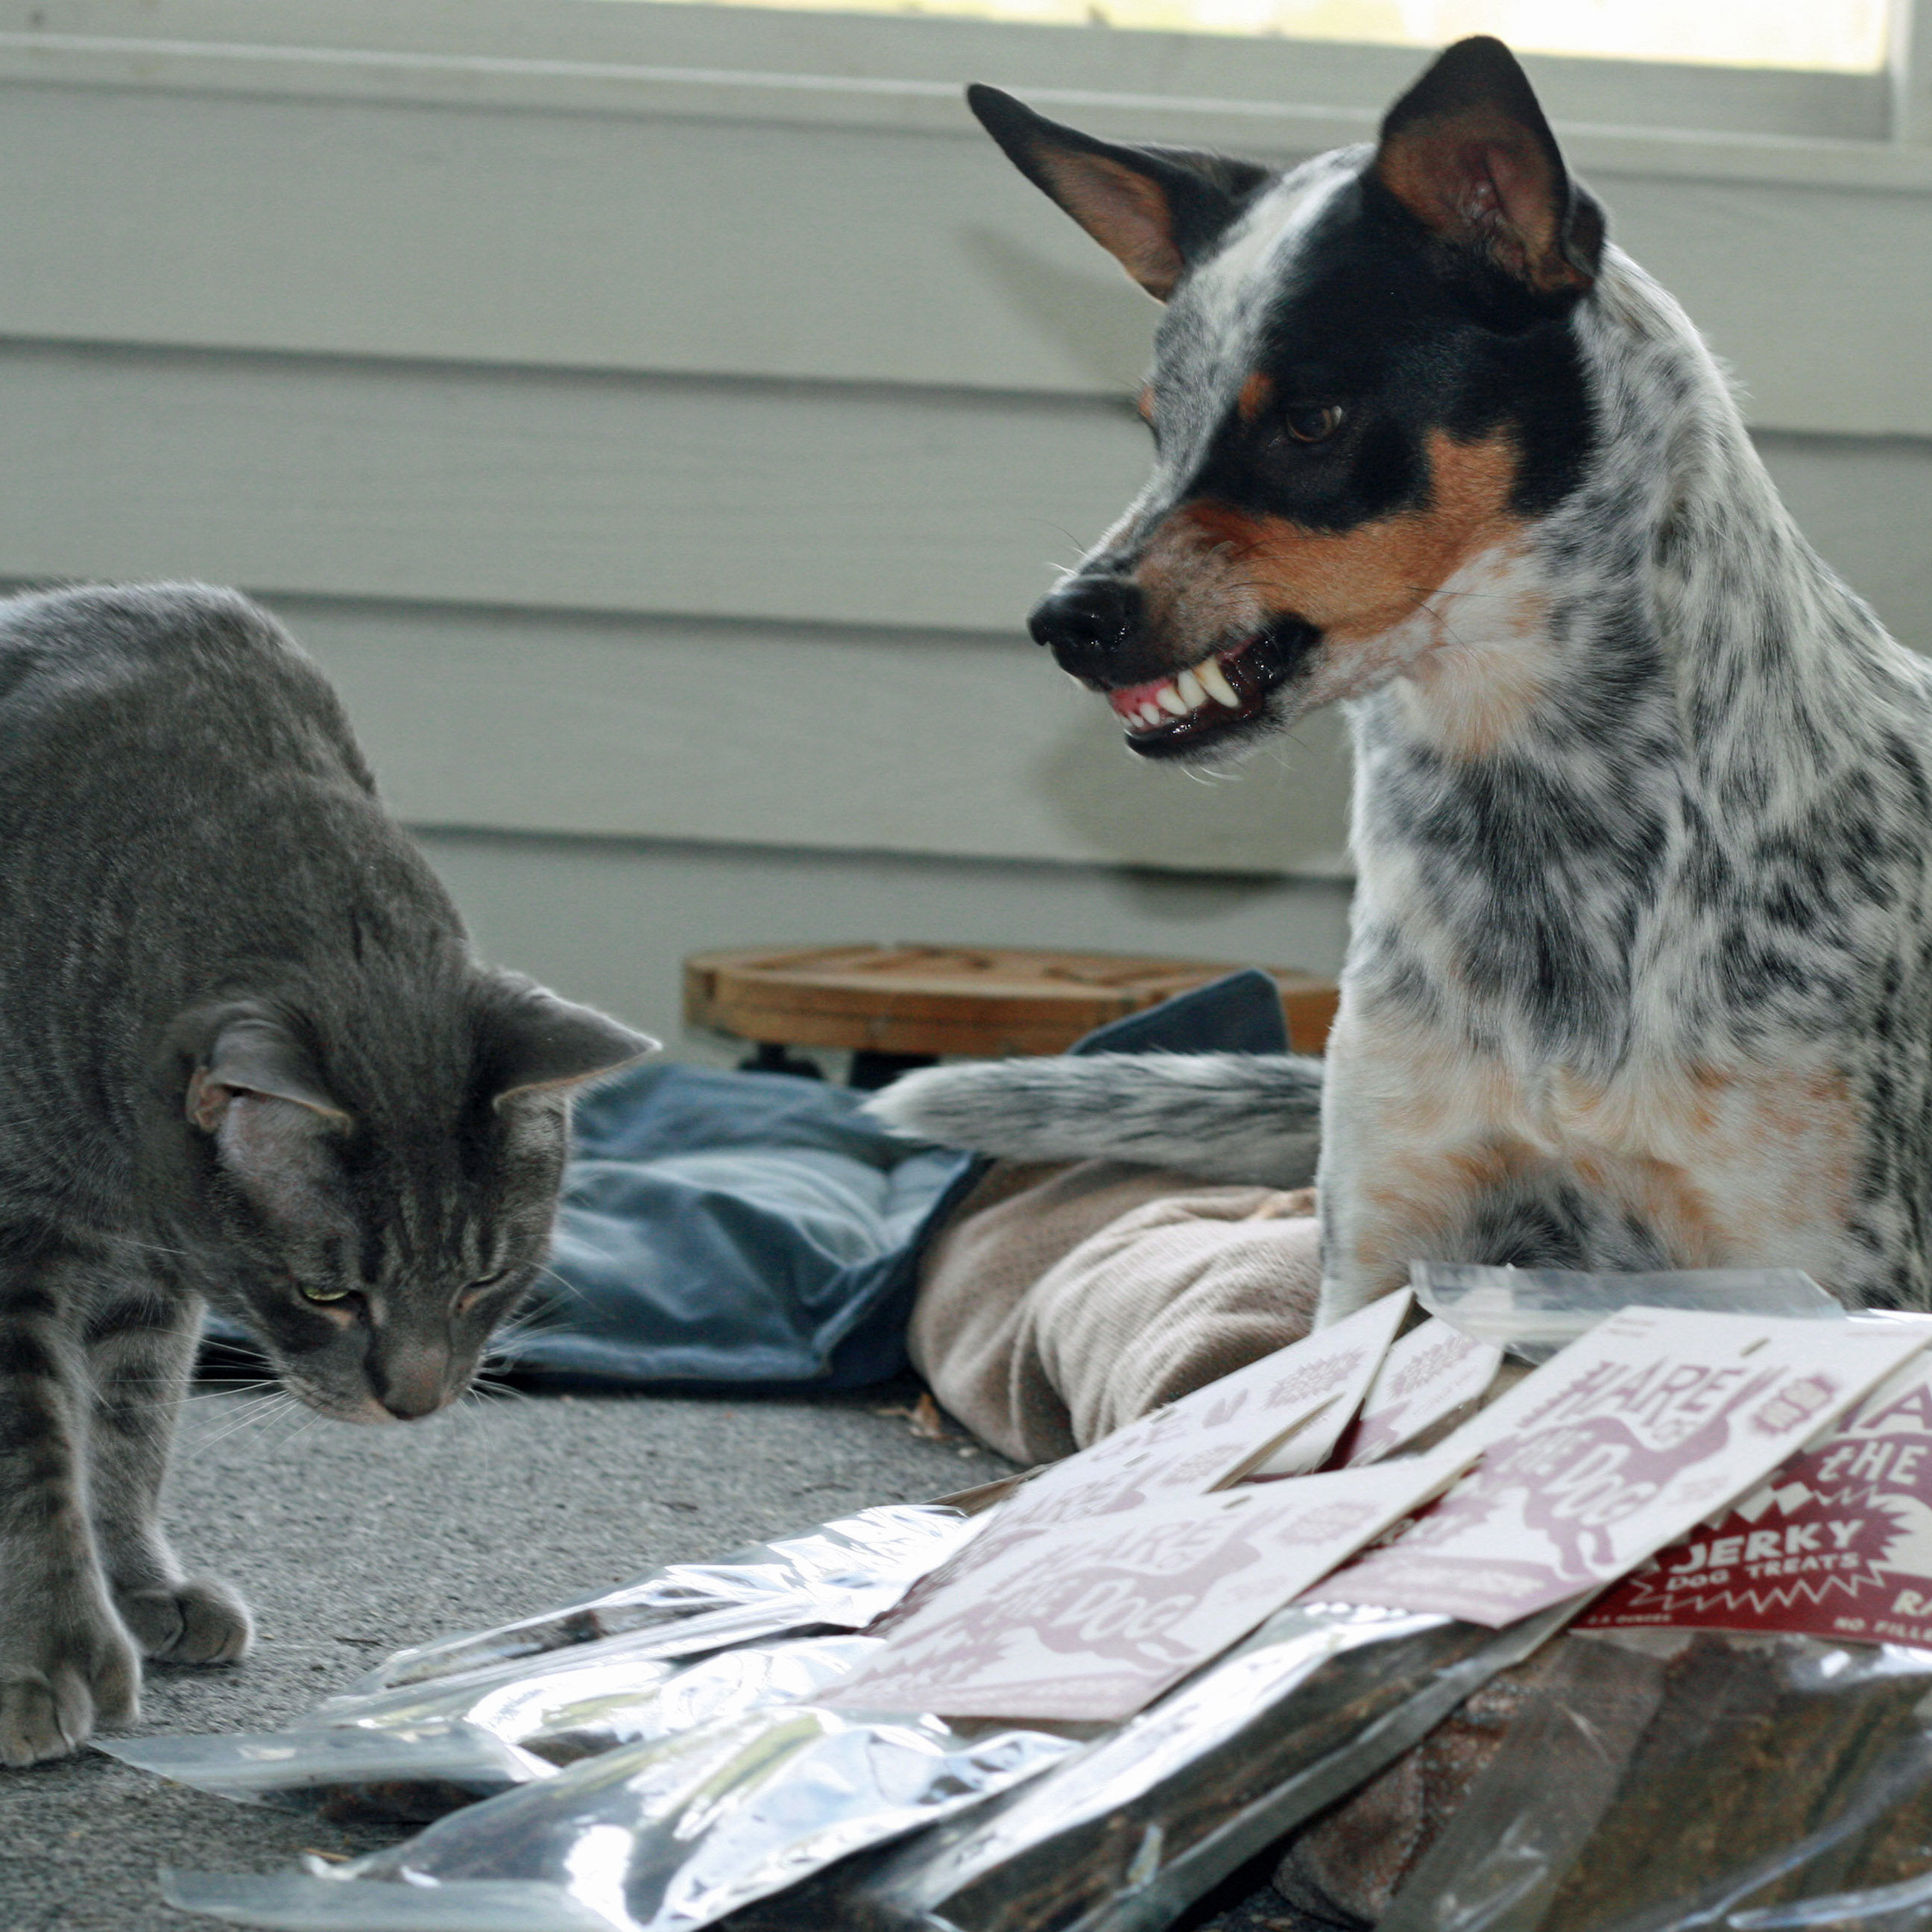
pixel 1229 1117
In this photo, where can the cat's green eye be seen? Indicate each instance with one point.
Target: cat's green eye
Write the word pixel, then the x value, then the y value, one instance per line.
pixel 324 1293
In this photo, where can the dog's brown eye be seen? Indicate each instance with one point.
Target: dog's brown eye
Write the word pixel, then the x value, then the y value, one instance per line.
pixel 1315 423
pixel 316 1292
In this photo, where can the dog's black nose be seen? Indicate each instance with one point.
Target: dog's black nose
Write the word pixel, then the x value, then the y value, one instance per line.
pixel 1087 622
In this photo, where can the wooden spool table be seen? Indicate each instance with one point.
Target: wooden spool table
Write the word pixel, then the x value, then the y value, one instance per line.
pixel 895 1007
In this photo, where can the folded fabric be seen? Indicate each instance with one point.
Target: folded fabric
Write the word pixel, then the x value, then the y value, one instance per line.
pixel 732 1229
pixel 736 1229
pixel 1060 1303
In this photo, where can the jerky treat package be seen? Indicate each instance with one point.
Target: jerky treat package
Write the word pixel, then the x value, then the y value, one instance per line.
pixel 1344 1867
pixel 411 1756
pixel 656 1837
pixel 1122 1837
pixel 1777 1780
pixel 408 1775
pixel 839 1576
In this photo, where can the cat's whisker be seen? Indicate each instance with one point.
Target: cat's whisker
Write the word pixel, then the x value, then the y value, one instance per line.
pixel 310 1418
pixel 260 1410
pixel 568 1289
pixel 486 1389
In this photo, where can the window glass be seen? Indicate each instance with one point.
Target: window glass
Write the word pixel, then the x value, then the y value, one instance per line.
pixel 1845 35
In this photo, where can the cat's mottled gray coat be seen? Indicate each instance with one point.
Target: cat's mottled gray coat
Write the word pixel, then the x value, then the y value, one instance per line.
pixel 247 1060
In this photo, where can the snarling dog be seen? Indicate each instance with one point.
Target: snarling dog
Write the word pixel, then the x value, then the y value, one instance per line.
pixel 1640 960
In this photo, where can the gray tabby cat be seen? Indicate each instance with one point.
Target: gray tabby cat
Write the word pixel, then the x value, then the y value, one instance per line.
pixel 247 1061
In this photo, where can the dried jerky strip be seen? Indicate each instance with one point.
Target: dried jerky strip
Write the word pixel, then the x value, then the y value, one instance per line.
pixel 1753 1748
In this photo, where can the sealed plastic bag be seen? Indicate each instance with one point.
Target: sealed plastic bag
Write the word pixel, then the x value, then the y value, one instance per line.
pixel 620 1691
pixel 840 1576
pixel 1659 1781
pixel 657 1837
pixel 445 1725
pixel 1535 1313
pixel 413 1755
pixel 1124 1836
pixel 408 1775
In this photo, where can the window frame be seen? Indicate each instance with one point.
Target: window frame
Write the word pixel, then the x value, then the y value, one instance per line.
pixel 883 70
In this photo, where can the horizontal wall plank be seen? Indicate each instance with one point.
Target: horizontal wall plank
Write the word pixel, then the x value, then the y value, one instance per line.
pixel 761 248
pixel 850 741
pixel 594 493
pixel 898 509
pixel 613 922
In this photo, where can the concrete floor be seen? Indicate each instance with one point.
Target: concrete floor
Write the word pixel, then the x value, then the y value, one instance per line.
pixel 350 1542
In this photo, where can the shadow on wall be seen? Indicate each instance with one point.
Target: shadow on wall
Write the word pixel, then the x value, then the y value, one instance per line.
pixel 1102 322
pixel 1286 809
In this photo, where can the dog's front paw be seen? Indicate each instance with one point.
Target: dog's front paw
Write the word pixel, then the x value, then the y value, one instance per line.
pixel 59 1685
pixel 201 1621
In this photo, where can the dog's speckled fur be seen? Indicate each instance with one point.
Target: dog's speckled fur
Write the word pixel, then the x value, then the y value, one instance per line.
pixel 1640 968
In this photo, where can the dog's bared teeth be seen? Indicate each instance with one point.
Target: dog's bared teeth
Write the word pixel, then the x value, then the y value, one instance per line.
pixel 1150 714
pixel 1192 693
pixel 1215 679
pixel 1171 701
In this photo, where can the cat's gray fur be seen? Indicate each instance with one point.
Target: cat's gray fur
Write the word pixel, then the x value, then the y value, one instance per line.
pixel 247 1061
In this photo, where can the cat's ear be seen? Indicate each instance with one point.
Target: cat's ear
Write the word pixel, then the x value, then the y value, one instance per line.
pixel 255 1092
pixel 537 1046
pixel 253 1056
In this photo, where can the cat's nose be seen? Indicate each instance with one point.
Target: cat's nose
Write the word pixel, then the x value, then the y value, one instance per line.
pixel 412 1382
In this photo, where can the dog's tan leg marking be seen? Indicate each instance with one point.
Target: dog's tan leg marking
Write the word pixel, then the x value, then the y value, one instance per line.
pixel 1735 1167
pixel 1741 1167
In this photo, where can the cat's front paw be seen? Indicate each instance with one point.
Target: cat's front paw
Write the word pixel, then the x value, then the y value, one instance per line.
pixel 57 1687
pixel 201 1621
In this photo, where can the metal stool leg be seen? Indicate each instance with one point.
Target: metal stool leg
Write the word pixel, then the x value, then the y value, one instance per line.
pixel 870 1071
pixel 769 1057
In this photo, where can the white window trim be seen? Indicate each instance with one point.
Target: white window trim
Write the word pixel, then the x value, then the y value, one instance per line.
pixel 1268 97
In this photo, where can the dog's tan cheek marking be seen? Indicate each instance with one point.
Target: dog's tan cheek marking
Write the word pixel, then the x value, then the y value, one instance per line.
pixel 1209 559
pixel 1194 575
pixel 1256 394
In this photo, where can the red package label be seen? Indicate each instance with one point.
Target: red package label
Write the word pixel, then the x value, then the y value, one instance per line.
pixel 1837 1543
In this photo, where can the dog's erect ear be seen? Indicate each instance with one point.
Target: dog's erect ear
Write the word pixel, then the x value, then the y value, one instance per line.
pixel 1467 152
pixel 1154 209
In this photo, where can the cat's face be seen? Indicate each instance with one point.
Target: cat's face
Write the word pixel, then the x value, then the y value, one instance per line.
pixel 372 1232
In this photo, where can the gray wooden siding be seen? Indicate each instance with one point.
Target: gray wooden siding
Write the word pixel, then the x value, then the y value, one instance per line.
pixel 659 426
